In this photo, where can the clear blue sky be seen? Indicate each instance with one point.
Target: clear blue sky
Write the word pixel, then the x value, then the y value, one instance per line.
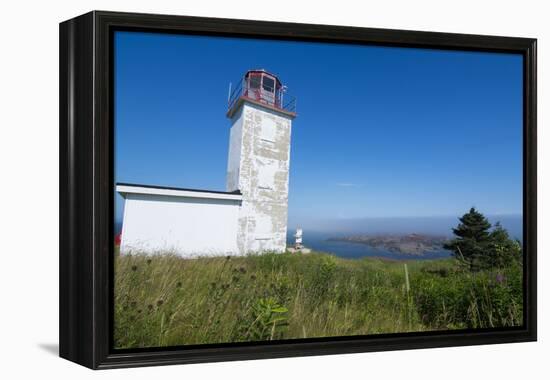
pixel 380 132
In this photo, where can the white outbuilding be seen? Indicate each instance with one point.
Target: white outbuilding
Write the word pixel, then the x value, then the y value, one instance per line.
pixel 251 215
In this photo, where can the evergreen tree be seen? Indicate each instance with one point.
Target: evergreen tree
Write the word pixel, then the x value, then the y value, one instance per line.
pixel 502 251
pixel 473 239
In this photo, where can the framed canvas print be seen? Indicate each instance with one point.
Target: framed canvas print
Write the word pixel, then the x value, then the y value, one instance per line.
pixel 235 189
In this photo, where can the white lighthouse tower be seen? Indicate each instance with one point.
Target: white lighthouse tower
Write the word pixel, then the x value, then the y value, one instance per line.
pixel 261 115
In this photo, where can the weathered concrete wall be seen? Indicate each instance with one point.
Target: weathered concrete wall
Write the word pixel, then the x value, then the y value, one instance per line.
pixel 184 223
pixel 258 166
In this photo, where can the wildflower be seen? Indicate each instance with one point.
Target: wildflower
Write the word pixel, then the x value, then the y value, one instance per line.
pixel 178 284
pixel 228 257
pixel 253 277
pixel 500 278
pixel 149 261
pixel 134 267
pixel 150 307
pixel 133 304
pixel 242 270
pixel 159 303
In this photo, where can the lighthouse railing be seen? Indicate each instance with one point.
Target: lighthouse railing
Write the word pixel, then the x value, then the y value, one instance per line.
pixel 235 94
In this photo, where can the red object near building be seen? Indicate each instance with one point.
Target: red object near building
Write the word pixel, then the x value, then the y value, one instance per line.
pixel 118 237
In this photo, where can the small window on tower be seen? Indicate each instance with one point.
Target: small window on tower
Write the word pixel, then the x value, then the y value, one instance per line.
pixel 269 84
pixel 254 81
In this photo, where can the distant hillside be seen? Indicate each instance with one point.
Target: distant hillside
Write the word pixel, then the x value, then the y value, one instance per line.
pixel 412 244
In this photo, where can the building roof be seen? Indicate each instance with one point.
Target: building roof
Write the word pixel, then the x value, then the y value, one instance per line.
pixel 131 188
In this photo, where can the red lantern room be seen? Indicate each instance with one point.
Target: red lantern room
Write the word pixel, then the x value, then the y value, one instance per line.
pixel 262 87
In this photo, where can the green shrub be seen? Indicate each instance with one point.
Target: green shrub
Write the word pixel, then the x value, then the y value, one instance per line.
pixel 268 318
pixel 470 300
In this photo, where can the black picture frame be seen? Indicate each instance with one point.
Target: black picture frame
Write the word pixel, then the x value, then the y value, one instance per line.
pixel 86 188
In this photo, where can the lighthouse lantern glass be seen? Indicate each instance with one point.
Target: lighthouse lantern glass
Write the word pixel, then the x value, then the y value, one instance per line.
pixel 254 81
pixel 268 84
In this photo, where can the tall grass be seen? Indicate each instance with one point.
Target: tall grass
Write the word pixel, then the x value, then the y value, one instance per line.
pixel 166 300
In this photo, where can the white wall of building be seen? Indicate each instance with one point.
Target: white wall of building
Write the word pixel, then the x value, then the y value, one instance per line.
pixel 186 223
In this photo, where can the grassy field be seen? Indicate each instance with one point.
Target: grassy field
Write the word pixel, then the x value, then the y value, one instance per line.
pixel 165 300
